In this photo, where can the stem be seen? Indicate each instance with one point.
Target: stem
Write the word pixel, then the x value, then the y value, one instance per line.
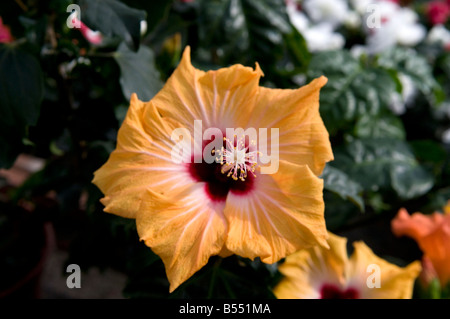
pixel 213 279
pixel 100 54
pixel 18 42
pixel 22 5
pixel 50 32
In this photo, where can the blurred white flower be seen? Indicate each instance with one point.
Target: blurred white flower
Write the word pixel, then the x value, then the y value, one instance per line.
pixel 143 27
pixel 442 112
pixel 352 20
pixel 439 34
pixel 332 12
pixel 357 50
pixel 398 25
pixel 321 37
pixel 446 136
pixel 299 79
pixel 361 5
pixel 409 90
pixel 396 104
pixel 297 18
pixel 399 102
pixel 411 35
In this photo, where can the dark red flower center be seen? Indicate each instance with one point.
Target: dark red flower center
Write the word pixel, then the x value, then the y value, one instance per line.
pixel 218 182
pixel 330 291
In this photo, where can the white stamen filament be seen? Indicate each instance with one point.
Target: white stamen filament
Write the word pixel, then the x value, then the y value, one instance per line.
pixel 237 161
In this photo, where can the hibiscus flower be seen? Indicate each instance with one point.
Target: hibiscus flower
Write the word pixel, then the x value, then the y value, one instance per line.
pixel 319 273
pixel 186 209
pixel 432 234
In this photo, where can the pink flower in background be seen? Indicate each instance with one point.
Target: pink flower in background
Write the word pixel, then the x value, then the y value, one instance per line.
pixel 5 33
pixel 438 12
pixel 94 37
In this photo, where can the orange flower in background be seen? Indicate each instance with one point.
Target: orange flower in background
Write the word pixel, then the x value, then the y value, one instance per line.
pixel 432 234
pixel 187 211
pixel 428 273
pixel 319 273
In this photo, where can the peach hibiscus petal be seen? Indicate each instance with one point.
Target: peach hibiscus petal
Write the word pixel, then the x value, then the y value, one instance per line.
pixel 232 93
pixel 282 214
pixel 303 138
pixel 321 273
pixel 220 98
pixel 182 230
pixel 395 282
pixel 306 271
pixel 141 160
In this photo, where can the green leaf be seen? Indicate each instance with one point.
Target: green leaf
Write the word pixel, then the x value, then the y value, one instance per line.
pixel 338 211
pixel 443 63
pixel 352 91
pixel 21 87
pixel 445 291
pixel 429 151
pixel 113 18
pixel 138 72
pixel 222 23
pixel 382 126
pixel 10 148
pixel 380 164
pixel 246 31
pixel 430 290
pixel 21 93
pixel 120 112
pixel 341 184
pixel 297 49
pixel 156 11
pixel 411 64
pixel 438 199
pixel 410 181
pixel 333 63
pixel 267 21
